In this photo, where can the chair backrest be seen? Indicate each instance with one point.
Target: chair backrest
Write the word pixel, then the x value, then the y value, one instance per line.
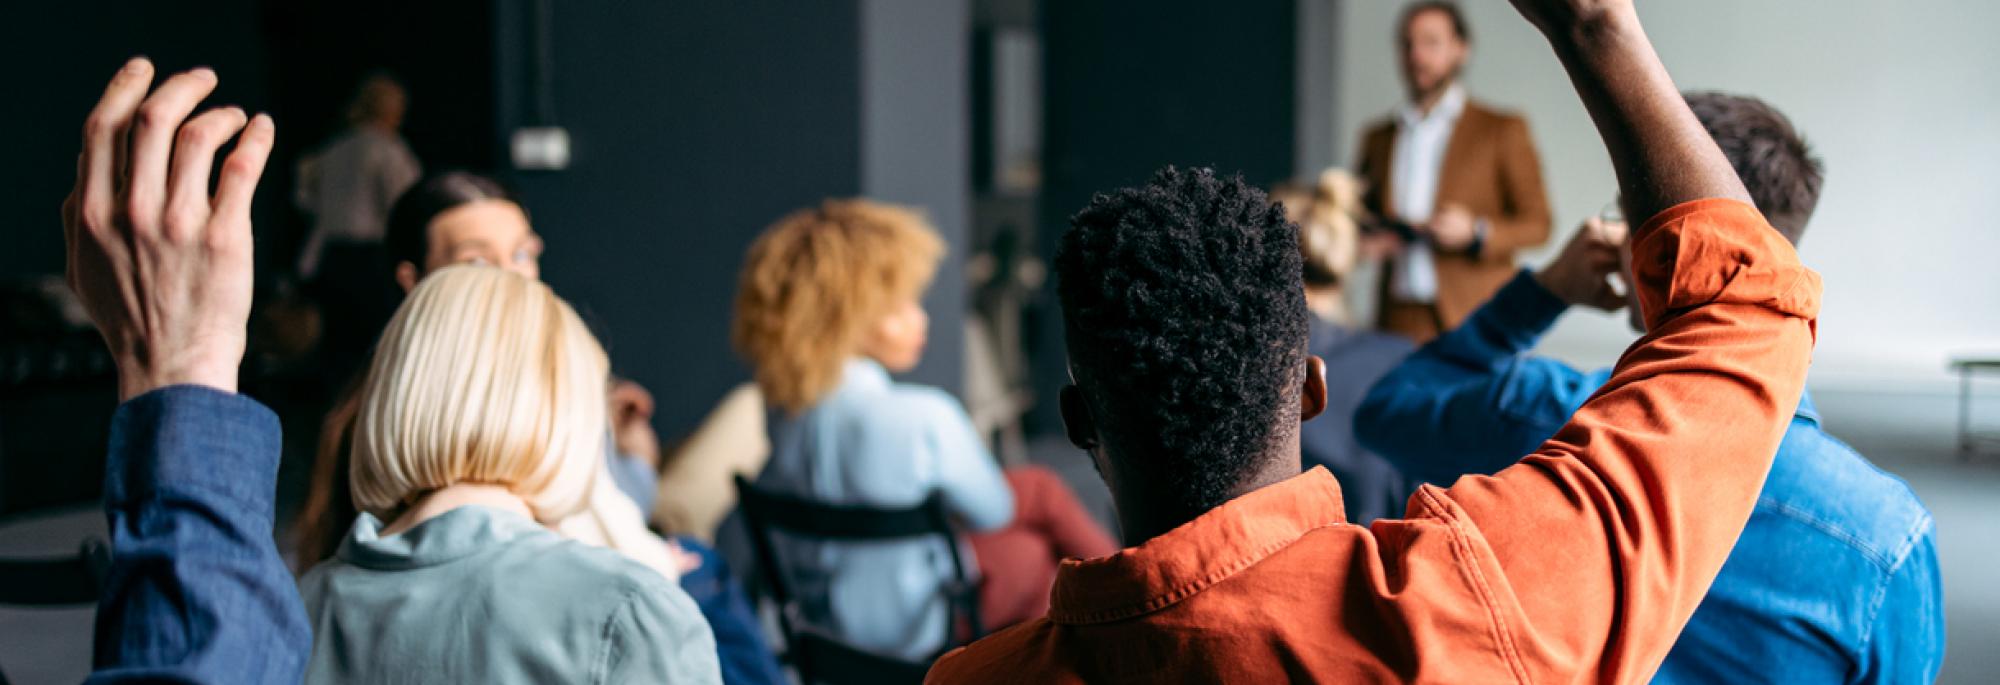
pixel 56 581
pixel 821 657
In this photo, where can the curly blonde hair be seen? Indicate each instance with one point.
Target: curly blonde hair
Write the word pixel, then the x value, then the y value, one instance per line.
pixel 814 283
pixel 1329 236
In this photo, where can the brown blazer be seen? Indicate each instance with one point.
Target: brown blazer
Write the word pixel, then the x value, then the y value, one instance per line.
pixel 1490 168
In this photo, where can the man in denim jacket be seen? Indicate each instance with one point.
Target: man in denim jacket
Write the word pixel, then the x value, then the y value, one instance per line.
pixel 1835 579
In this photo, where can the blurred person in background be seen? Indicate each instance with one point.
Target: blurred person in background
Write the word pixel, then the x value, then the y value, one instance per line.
pixel 480 436
pixel 827 307
pixel 346 188
pixel 1330 241
pixel 1462 176
pixel 458 217
pixel 1869 610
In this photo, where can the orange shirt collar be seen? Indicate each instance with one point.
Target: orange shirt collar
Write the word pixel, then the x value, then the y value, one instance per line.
pixel 1199 553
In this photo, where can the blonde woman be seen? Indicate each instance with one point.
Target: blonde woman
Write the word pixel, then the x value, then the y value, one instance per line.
pixel 828 306
pixel 481 426
pixel 1331 242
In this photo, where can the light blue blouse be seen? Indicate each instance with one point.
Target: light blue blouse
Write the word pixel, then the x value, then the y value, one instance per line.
pixel 480 595
pixel 875 442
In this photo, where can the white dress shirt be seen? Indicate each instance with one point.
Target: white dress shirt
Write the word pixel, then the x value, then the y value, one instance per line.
pixel 1421 140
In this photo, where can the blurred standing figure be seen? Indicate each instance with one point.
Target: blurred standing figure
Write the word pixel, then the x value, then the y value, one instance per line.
pixel 1463 176
pixel 348 186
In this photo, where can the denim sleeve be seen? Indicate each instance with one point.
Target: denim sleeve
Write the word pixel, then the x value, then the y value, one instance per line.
pixel 1473 400
pixel 196 591
pixel 1906 641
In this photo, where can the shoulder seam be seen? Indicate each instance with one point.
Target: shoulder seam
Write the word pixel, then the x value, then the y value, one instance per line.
pixel 1469 566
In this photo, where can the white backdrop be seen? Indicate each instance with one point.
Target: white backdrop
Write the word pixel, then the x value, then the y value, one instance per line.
pixel 1902 100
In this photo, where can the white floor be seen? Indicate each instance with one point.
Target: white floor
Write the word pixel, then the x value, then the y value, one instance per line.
pixel 1908 435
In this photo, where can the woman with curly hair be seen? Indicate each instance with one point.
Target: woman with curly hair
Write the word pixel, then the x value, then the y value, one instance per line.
pixel 827 307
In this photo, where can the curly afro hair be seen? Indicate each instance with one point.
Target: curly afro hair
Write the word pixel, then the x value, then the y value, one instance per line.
pixel 1186 327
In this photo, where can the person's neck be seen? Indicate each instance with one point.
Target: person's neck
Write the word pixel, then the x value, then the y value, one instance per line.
pixel 455 496
pixel 1427 101
pixel 1327 303
pixel 1141 517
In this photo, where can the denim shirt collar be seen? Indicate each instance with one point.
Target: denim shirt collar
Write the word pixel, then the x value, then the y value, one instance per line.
pixel 444 538
pixel 1806 410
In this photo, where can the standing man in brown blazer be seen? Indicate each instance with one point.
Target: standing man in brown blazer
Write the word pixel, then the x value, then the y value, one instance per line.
pixel 1465 177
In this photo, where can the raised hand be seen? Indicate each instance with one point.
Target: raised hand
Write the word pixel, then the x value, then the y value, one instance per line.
pixel 163 267
pixel 1581 273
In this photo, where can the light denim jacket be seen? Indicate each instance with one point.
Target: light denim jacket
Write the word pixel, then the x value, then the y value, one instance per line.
pixel 1835 579
pixel 480 595
pixel 875 442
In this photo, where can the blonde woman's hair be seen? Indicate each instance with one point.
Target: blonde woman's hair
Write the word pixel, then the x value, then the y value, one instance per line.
pixel 1329 236
pixel 483 376
pixel 814 283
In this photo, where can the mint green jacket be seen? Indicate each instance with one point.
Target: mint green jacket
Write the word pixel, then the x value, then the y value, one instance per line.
pixel 479 595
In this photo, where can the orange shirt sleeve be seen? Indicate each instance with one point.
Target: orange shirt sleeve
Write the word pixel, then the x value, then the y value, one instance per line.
pixel 1595 550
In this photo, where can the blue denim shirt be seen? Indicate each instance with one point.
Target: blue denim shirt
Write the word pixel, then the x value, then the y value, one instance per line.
pixel 196 592
pixel 1835 579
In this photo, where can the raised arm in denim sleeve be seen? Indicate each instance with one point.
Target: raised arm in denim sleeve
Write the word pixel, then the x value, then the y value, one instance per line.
pixel 1473 400
pixel 196 592
pixel 1905 643
pixel 1595 549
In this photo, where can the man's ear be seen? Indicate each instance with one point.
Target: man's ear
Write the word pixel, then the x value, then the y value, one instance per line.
pixel 1312 397
pixel 1077 424
pixel 406 276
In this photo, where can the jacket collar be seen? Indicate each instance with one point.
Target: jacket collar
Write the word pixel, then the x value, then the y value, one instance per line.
pixel 1198 554
pixel 1807 410
pixel 446 537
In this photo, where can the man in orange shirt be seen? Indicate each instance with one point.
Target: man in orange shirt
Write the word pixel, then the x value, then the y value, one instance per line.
pixel 1186 333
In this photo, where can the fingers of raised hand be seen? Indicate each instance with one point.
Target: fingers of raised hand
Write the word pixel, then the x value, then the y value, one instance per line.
pixel 104 136
pixel 154 129
pixel 188 207
pixel 238 182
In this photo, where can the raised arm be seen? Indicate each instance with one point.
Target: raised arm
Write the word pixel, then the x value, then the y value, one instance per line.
pixel 1662 155
pixel 196 590
pixel 1607 537
pixel 1473 401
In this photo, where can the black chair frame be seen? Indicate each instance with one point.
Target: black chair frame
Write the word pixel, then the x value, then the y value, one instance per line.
pixel 820 656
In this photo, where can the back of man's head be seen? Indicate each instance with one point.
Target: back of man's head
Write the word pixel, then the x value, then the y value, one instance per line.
pixel 1186 330
pixel 1776 165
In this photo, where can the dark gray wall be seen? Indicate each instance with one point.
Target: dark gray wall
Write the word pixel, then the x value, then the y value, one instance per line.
pixel 915 134
pixel 695 125
pixel 1134 85
pixel 63 53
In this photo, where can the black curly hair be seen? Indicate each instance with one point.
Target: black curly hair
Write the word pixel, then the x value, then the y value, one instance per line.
pixel 1186 328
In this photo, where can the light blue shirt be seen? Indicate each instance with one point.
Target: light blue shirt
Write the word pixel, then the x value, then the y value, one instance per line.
pixel 875 442
pixel 480 595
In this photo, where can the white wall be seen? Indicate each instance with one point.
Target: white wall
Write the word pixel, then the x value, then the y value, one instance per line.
pixel 1902 100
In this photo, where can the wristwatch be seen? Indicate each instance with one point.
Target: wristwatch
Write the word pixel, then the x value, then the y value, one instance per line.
pixel 1480 227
